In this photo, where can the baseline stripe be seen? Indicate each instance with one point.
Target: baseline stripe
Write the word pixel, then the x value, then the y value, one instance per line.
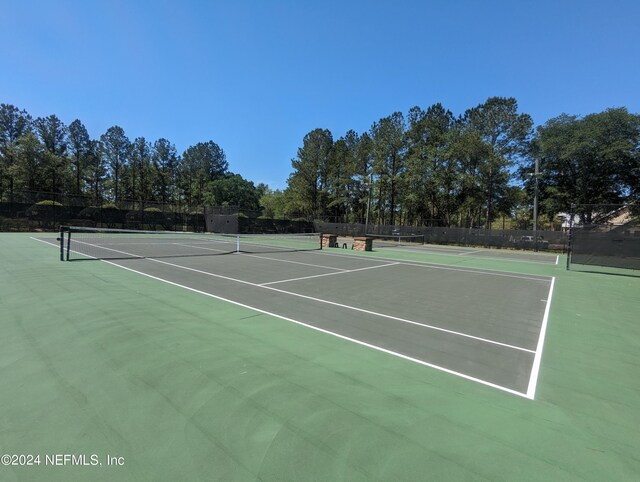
pixel 535 369
pixel 322 330
pixel 431 265
pixel 346 338
pixel 332 303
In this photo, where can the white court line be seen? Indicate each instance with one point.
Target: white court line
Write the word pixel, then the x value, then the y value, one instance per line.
pixel 428 264
pixel 160 241
pixel 57 245
pixel 332 333
pixel 269 258
pixel 462 254
pixel 354 308
pixel 193 243
pixel 333 303
pixel 444 253
pixel 420 264
pixel 322 330
pixel 535 369
pixel 557 259
pixel 181 244
pixel 428 249
pixel 327 274
pixel 291 261
pixel 424 264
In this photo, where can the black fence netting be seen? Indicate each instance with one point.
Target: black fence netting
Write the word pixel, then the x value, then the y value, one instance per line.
pixel 611 238
pixel 32 211
pixel 230 219
pixel 499 238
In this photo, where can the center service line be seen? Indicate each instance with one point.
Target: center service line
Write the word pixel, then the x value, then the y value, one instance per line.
pixel 327 274
pixel 337 335
pixel 333 303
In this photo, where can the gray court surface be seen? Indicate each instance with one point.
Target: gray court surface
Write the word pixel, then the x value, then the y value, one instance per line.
pixel 481 325
pixel 485 253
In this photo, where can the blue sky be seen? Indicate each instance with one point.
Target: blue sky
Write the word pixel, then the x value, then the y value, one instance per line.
pixel 256 76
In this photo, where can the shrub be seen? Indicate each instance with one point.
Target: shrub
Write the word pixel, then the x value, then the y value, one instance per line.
pixel 44 208
pixel 7 224
pixel 48 203
pixel 108 213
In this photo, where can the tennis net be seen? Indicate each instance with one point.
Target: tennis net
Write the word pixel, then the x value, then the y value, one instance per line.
pixel 102 243
pixel 392 241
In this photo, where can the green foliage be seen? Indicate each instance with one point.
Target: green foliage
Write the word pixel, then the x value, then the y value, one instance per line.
pixel 46 211
pixel 308 182
pixel 14 125
pixel 90 212
pixel 201 164
pixel 273 204
pixel 45 155
pixel 17 225
pixel 165 169
pixel 429 168
pixel 590 160
pixel 388 139
pixel 79 145
pixel 108 213
pixel 232 189
pixel 425 167
pixel 115 149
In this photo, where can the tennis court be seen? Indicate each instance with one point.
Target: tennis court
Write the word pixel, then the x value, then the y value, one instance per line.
pixel 414 243
pixel 483 325
pixel 256 359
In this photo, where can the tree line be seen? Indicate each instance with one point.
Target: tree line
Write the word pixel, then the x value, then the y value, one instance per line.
pixel 429 167
pixel 45 155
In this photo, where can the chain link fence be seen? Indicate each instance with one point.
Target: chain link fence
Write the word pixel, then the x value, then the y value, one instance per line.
pixel 605 235
pixel 37 211
pixel 498 238
pixel 232 220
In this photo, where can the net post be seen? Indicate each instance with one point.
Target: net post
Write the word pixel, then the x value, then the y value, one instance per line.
pixel 68 242
pixel 61 243
pixel 320 240
pixel 238 243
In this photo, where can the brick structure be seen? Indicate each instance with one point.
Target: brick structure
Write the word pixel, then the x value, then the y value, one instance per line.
pixel 329 240
pixel 362 244
pixel 359 243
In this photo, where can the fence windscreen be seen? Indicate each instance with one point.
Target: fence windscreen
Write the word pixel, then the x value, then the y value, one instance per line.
pixel 498 238
pixel 612 242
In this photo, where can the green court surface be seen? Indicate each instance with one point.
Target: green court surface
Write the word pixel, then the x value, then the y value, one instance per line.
pixel 399 364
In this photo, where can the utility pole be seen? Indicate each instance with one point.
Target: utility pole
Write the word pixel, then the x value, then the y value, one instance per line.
pixel 536 174
pixel 369 186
